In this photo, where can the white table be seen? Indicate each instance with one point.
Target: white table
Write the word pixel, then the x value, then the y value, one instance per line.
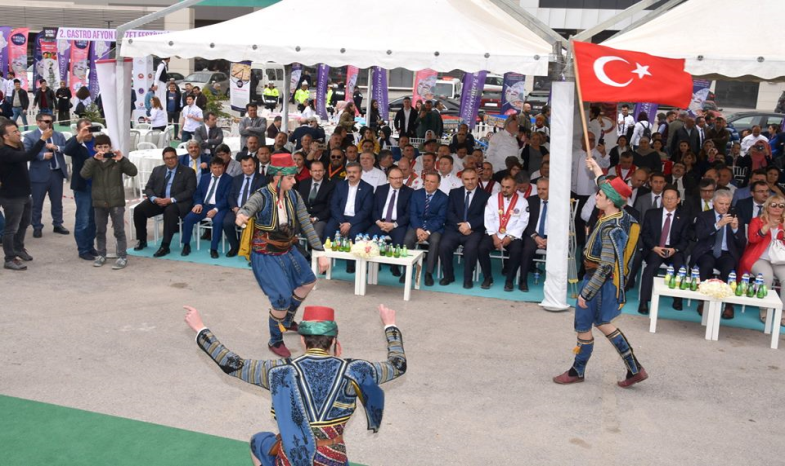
pixel 773 305
pixel 711 312
pixel 371 265
pixel 358 277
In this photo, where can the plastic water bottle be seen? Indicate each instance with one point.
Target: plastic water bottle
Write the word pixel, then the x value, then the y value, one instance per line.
pixel 669 276
pixel 745 284
pixel 536 276
pixel 337 238
pixel 732 278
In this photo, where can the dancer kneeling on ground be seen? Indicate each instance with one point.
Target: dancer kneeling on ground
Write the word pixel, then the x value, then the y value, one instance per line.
pixel 607 257
pixel 314 395
pixel 281 271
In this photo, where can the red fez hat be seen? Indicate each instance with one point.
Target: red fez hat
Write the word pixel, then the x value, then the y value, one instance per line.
pixel 318 313
pixel 621 187
pixel 282 160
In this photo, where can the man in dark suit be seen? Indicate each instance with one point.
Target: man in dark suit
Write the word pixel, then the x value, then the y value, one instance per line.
pixel 350 207
pixel 169 191
pixel 752 207
pixel 664 239
pixel 685 184
pixel 47 173
pixel 652 197
pixel 316 192
pixel 209 135
pixel 721 241
pixel 80 148
pixel 211 200
pixel 689 134
pixel 464 227
pixel 535 236
pixel 405 121
pixel 243 185
pixel 427 214
pixel 195 160
pixel 391 211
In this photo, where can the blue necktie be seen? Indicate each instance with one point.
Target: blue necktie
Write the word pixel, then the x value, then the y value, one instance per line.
pixel 541 226
pixel 466 202
pixel 244 192
pixel 718 239
pixel 167 180
pixel 427 202
pixel 53 160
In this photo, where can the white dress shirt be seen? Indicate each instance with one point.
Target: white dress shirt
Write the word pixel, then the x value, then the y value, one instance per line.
pixel 449 182
pixel 656 201
pixel 374 177
pixel 583 183
pixel 518 220
pixel 679 183
pixel 349 209
pixel 502 145
pixel 406 115
pixel 624 122
pixel 189 124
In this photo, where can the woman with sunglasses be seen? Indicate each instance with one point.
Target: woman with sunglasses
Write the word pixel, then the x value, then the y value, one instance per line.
pixel 763 232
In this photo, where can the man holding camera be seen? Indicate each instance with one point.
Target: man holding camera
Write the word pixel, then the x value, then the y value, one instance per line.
pixel 106 169
pixel 47 173
pixel 80 148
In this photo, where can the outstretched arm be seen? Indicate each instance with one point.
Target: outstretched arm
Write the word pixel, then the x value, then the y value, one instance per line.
pixel 395 365
pixel 252 371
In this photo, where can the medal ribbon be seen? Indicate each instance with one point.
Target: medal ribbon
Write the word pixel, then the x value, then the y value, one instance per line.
pixel 504 217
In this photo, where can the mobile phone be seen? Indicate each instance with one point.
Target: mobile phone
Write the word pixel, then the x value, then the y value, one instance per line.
pixel 95 129
pixel 732 212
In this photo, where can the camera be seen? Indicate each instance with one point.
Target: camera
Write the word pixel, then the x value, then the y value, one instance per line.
pixel 759 147
pixel 108 155
pixel 95 129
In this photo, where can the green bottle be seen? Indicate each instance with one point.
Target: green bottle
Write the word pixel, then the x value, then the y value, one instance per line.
pixel 397 251
pixel 739 290
pixel 405 251
pixel 762 292
pixel 672 282
pixel 751 291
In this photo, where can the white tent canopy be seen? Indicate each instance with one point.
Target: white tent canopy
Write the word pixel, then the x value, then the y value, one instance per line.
pixel 443 35
pixel 730 38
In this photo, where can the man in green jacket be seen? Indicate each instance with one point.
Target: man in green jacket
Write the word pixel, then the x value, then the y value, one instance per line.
pixel 106 170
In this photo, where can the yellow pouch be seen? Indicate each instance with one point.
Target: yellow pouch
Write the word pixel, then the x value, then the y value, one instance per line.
pixel 247 239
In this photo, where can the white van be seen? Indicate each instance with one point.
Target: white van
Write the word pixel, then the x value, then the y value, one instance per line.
pixel 266 72
pixel 493 83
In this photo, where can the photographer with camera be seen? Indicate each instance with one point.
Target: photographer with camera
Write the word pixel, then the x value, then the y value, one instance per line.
pixel 106 170
pixel 47 173
pixel 80 148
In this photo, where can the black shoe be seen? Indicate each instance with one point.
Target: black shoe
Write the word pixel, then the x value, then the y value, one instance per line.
pixel 523 286
pixel 186 250
pixel 140 245
pixel 468 285
pixel 643 308
pixel 508 285
pixel 232 252
pixel 396 271
pixel 94 252
pixel 350 267
pixel 24 255
pixel 446 281
pixel 486 284
pixel 214 253
pixel 162 251
pixel 677 305
pixel 60 230
pixel 428 279
pixel 87 256
pixel 37 234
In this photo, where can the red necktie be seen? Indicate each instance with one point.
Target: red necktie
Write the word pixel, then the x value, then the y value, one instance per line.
pixel 666 229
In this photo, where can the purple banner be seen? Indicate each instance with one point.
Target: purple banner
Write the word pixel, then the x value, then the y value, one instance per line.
pixel 379 91
pixel 471 94
pixel 513 93
pixel 63 56
pixel 5 34
pixel 322 77
pixel 650 110
pixel 99 50
pixel 700 94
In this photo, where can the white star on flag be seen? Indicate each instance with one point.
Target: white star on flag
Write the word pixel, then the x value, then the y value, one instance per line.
pixel 641 70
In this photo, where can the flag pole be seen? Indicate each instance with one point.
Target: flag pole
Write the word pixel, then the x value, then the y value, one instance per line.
pixel 580 100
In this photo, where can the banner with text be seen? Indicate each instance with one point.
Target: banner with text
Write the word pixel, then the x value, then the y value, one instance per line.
pixel 380 91
pixel 99 50
pixel 45 58
pixel 240 85
pixel 351 81
pixel 700 94
pixel 473 83
pixel 649 109
pixel 63 56
pixel 90 34
pixel 322 77
pixel 513 93
pixel 424 82
pixel 80 65
pixel 5 37
pixel 141 80
pixel 17 55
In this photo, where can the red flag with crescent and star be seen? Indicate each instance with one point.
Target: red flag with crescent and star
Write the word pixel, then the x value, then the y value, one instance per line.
pixel 604 74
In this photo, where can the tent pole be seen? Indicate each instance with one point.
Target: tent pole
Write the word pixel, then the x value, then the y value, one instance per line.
pixel 287 84
pixel 587 34
pixel 368 104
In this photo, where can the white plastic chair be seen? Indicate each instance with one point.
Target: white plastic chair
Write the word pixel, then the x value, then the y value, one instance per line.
pixel 143 126
pixel 135 135
pixel 146 145
pixel 207 224
pixel 183 146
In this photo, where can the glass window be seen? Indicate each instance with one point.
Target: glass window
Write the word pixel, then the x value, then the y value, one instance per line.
pixel 270 74
pixel 279 74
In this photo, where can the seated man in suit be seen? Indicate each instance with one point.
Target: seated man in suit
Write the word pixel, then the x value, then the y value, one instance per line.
pixel 652 197
pixel 231 166
pixel 350 207
pixel 251 147
pixel 752 207
pixel 721 240
pixel 336 170
pixel 169 191
pixel 391 211
pixel 685 185
pixel 464 227
pixel 243 186
pixel 504 231
pixel 209 135
pixel 263 157
pixel 536 234
pixel 198 162
pixel 316 192
pixel 427 214
pixel 664 238
pixel 211 200
pixel 746 192
pixel 47 173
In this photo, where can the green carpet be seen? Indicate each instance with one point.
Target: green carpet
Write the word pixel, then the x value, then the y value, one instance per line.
pixel 34 433
pixel 748 319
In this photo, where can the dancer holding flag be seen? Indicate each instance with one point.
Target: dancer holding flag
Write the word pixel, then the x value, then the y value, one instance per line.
pixel 281 271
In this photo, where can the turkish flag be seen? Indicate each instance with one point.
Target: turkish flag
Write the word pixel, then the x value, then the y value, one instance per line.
pixel 605 74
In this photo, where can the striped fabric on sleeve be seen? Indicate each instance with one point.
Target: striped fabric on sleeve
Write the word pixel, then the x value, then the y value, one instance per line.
pixel 253 371
pixel 395 366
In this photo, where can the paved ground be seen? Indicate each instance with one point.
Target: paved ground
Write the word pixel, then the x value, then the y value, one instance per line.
pixel 478 389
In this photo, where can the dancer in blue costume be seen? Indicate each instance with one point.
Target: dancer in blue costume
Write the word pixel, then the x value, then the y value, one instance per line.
pixel 313 395
pixel 607 257
pixel 281 271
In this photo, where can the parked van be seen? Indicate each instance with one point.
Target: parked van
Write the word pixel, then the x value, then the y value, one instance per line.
pixel 263 73
pixel 447 88
pixel 493 83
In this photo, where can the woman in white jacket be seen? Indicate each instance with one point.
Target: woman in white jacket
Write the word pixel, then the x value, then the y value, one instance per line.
pixel 157 115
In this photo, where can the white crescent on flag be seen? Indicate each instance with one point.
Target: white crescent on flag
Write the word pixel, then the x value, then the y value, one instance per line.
pixel 599 70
